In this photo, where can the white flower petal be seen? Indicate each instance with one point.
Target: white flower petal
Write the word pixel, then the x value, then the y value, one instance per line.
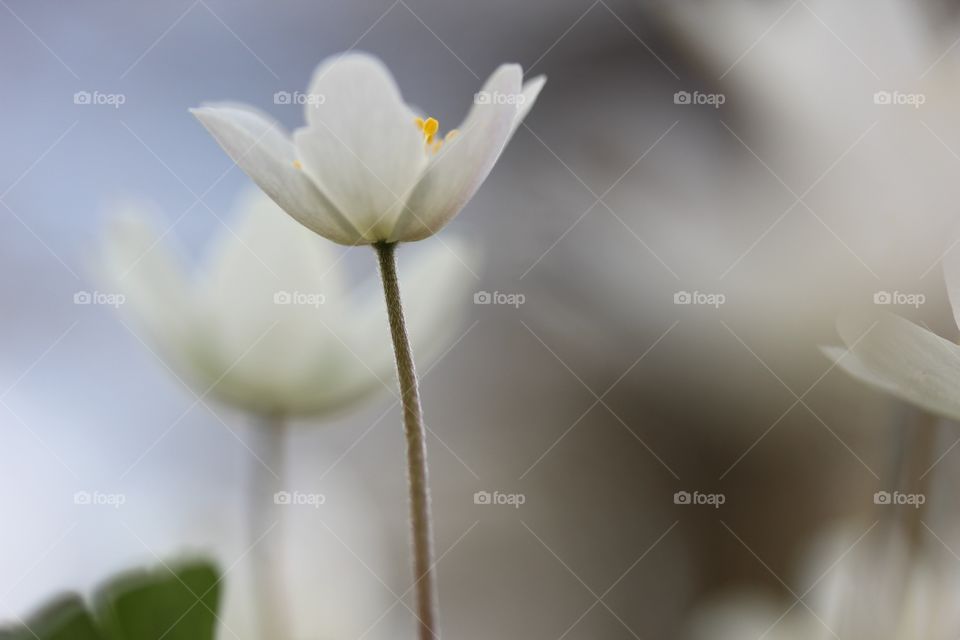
pixel 903 359
pixel 260 244
pixel 849 362
pixel 531 89
pixel 263 150
pixel 464 162
pixel 361 144
pixel 270 290
pixel 139 265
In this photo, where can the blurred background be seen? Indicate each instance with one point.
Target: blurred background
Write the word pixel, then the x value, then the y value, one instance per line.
pixel 701 188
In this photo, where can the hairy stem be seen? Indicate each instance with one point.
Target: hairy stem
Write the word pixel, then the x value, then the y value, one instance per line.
pixel 264 528
pixel 421 522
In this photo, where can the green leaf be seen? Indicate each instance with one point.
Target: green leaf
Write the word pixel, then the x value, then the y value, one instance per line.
pixel 65 618
pixel 170 603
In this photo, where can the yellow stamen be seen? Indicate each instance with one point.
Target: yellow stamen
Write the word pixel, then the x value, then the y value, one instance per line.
pixel 428 127
pixel 297 165
pixel 438 144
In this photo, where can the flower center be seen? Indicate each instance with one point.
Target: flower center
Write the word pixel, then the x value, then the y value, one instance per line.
pixel 429 128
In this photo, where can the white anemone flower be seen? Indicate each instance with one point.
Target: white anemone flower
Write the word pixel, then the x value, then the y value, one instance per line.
pixel 367 168
pixel 903 359
pixel 877 587
pixel 268 323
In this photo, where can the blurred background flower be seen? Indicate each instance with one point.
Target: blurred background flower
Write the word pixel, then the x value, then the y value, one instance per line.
pixel 861 580
pixel 272 323
pixel 671 234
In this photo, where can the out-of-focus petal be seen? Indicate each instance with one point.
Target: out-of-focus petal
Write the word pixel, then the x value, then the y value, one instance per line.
pixel 902 359
pixel 138 263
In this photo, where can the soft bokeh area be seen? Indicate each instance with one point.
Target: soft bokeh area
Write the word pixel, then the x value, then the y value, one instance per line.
pixel 633 432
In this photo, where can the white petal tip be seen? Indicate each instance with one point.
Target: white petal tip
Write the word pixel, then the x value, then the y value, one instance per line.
pixel 202 113
pixel 536 81
pixel 511 69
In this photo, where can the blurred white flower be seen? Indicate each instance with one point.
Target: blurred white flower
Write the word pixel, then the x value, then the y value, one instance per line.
pixel 875 586
pixel 852 105
pixel 269 323
pixel 367 168
pixel 879 180
pixel 903 359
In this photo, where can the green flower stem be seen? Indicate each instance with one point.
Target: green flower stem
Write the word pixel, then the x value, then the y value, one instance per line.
pixel 421 522
pixel 264 528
